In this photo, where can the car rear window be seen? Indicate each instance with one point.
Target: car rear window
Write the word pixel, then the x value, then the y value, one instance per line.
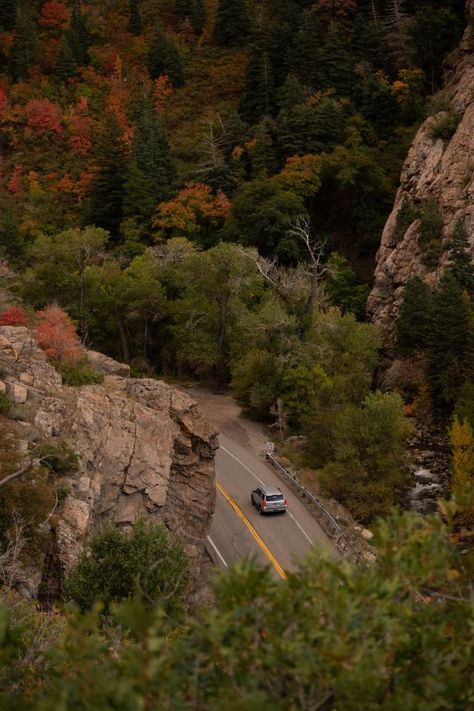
pixel 274 497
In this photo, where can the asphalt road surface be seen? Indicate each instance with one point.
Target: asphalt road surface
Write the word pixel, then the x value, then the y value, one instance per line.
pixel 239 531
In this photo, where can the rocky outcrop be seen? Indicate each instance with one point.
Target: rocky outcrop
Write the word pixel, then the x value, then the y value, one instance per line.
pixel 144 448
pixel 438 168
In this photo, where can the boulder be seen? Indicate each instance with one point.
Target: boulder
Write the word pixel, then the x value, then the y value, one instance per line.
pixel 108 366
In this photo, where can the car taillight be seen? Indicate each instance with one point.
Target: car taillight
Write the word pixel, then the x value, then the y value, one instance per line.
pixel 285 502
pixel 264 503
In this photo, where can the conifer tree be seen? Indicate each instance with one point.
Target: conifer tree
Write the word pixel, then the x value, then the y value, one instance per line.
pixel 78 36
pixel 307 53
pixel 66 67
pixel 150 171
pixel 8 14
pixel 105 208
pixel 232 23
pixel 451 348
pixel 415 318
pixel 25 50
pixel 194 10
pixel 135 22
pixel 263 153
pixel 462 266
pixel 164 58
pixel 258 96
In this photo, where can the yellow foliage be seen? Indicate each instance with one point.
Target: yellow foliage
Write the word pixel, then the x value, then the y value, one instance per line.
pixel 462 443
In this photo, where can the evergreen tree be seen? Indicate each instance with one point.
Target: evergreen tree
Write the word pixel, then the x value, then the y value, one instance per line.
pixel 307 52
pixel 135 22
pixel 164 58
pixel 194 10
pixel 78 37
pixel 451 346
pixel 66 67
pixel 462 266
pixel 263 153
pixel 25 50
pixel 8 14
pixel 232 23
pixel 105 208
pixel 291 93
pixel 415 318
pixel 150 171
pixel 336 63
pixel 258 96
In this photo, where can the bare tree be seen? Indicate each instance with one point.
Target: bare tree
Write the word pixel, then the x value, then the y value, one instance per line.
pixel 10 555
pixel 397 36
pixel 315 249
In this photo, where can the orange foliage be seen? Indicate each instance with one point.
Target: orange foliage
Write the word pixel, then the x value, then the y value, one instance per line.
pixel 14 316
pixel 14 185
pixel 194 205
pixel 42 117
pixel 3 99
pixel 80 140
pixel 301 174
pixel 56 334
pixel 54 15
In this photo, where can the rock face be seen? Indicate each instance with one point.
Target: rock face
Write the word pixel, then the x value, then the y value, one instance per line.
pixel 437 168
pixel 144 448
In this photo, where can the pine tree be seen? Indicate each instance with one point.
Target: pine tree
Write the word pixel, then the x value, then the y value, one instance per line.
pixel 232 23
pixel 461 264
pixel 451 345
pixel 336 63
pixel 164 58
pixel 415 318
pixel 78 37
pixel 135 23
pixel 66 67
pixel 194 10
pixel 150 172
pixel 263 152
pixel 25 50
pixel 258 97
pixel 105 208
pixel 307 53
pixel 8 9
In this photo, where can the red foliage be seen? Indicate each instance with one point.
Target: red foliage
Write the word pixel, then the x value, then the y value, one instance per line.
pixel 56 334
pixel 14 316
pixel 3 99
pixel 42 117
pixel 14 185
pixel 80 140
pixel 54 15
pixel 163 91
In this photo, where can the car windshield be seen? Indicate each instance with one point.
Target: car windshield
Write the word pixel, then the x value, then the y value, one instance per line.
pixel 275 497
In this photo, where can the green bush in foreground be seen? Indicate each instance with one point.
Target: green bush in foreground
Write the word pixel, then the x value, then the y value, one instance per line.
pixel 145 564
pixel 395 635
pixel 77 374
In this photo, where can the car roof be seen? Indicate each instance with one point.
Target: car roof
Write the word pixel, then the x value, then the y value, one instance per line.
pixel 270 489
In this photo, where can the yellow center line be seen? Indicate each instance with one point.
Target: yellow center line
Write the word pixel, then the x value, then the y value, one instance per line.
pixel 252 530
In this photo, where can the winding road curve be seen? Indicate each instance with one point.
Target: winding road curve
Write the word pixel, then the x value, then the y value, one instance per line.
pixel 238 531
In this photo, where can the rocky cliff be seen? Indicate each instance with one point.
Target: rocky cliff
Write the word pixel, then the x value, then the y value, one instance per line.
pixel 438 168
pixel 144 448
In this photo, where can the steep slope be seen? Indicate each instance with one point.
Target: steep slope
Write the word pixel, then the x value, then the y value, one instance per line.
pixel 144 450
pixel 439 168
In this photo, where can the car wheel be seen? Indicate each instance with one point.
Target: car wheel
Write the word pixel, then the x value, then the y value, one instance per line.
pixel 260 510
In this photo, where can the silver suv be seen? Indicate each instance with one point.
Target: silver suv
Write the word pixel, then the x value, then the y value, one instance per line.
pixel 269 499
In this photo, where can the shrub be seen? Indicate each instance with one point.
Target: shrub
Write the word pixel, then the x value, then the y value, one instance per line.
pixel 61 458
pixel 447 126
pixel 406 215
pixel 56 334
pixel 14 316
pixel 79 373
pixel 430 233
pixel 4 403
pixel 144 564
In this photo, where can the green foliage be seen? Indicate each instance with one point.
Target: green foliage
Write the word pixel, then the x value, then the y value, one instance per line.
pixel 79 373
pixel 430 232
pixel 4 403
pixel 446 126
pixel 369 456
pixel 415 318
pixel 61 459
pixel 406 215
pixel 164 58
pixel 380 623
pixel 342 288
pixel 461 264
pixel 135 22
pixel 193 10
pixel 464 409
pixel 232 22
pixel 144 564
pixel 25 50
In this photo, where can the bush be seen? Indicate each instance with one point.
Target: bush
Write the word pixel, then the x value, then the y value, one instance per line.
pixel 14 316
pixel 4 403
pixel 430 233
pixel 406 215
pixel 369 473
pixel 144 564
pixel 56 334
pixel 447 126
pixel 78 373
pixel 61 459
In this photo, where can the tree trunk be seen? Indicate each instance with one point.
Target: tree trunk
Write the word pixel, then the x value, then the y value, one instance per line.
pixel 123 337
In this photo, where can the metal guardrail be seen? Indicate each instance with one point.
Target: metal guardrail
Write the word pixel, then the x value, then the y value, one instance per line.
pixel 329 523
